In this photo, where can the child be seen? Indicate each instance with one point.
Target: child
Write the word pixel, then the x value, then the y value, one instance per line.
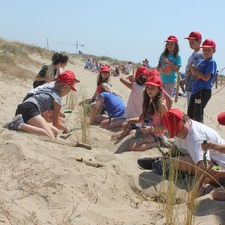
pixel 103 77
pixel 50 72
pixel 29 113
pixel 114 105
pixel 169 64
pixel 154 107
pixel 190 135
pixel 135 100
pixel 204 77
pixel 195 39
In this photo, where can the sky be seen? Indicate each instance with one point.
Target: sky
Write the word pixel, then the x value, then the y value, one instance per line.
pixel 125 30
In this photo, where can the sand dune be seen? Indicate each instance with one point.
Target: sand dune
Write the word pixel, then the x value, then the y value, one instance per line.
pixel 43 183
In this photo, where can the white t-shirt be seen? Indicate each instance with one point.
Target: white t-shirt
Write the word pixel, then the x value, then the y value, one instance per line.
pixel 135 101
pixel 197 134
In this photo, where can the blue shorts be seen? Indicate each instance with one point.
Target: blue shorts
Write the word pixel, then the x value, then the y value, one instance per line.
pixel 28 111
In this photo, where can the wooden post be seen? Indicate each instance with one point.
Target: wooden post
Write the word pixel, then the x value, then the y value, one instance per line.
pixel 177 87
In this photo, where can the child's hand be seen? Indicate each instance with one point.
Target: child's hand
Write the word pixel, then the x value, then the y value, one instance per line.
pixel 206 146
pixel 67 130
pixel 147 129
pixel 166 60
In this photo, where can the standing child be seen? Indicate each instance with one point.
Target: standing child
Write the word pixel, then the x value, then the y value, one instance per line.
pixel 204 77
pixel 154 107
pixel 50 72
pixel 29 113
pixel 195 39
pixel 169 64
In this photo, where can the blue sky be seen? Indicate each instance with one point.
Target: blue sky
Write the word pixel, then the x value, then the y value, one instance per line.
pixel 126 30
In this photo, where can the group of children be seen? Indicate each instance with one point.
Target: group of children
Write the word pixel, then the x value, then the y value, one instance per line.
pixel 148 112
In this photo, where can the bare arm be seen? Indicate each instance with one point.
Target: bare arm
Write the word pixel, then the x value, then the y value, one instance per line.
pixel 212 145
pixel 204 77
pixel 171 65
pixel 96 109
pixel 56 121
pixel 169 100
pixel 126 81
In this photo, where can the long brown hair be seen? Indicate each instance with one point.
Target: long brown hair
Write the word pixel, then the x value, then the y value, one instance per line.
pixel 151 106
pixel 176 50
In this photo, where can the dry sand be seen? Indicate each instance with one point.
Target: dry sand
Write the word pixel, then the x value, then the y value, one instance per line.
pixel 42 183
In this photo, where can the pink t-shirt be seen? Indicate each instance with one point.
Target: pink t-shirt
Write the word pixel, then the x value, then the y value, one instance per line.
pixel 135 101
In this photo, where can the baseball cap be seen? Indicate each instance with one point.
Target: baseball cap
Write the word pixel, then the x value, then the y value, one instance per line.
pixel 154 73
pixel 172 120
pixel 68 77
pixel 172 38
pixel 208 44
pixel 142 70
pixel 105 68
pixel 221 118
pixel 154 81
pixel 194 35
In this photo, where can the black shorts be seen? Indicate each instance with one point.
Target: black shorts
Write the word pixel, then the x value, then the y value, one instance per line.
pixel 28 110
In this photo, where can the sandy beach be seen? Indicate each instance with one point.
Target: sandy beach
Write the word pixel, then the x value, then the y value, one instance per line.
pixel 44 182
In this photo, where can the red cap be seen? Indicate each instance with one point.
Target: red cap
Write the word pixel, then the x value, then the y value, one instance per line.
pixel 105 68
pixel 194 35
pixel 154 81
pixel 208 44
pixel 68 77
pixel 154 73
pixel 221 118
pixel 172 120
pixel 172 39
pixel 142 70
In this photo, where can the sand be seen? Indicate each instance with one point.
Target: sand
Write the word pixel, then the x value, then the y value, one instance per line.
pixel 43 183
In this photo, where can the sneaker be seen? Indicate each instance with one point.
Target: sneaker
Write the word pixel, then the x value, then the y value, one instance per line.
pixel 14 123
pixel 146 162
pixel 159 168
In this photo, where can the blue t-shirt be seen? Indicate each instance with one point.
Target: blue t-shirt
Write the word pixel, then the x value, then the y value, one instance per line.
pixel 205 67
pixel 114 104
pixel 168 75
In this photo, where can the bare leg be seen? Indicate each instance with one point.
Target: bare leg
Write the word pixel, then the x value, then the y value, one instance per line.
pixel 99 118
pixel 143 142
pixel 38 125
pixel 115 124
pixel 219 194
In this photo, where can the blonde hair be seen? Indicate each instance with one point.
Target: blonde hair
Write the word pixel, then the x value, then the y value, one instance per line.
pixel 108 88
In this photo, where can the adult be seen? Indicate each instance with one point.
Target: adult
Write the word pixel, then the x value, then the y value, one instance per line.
pixel 50 72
